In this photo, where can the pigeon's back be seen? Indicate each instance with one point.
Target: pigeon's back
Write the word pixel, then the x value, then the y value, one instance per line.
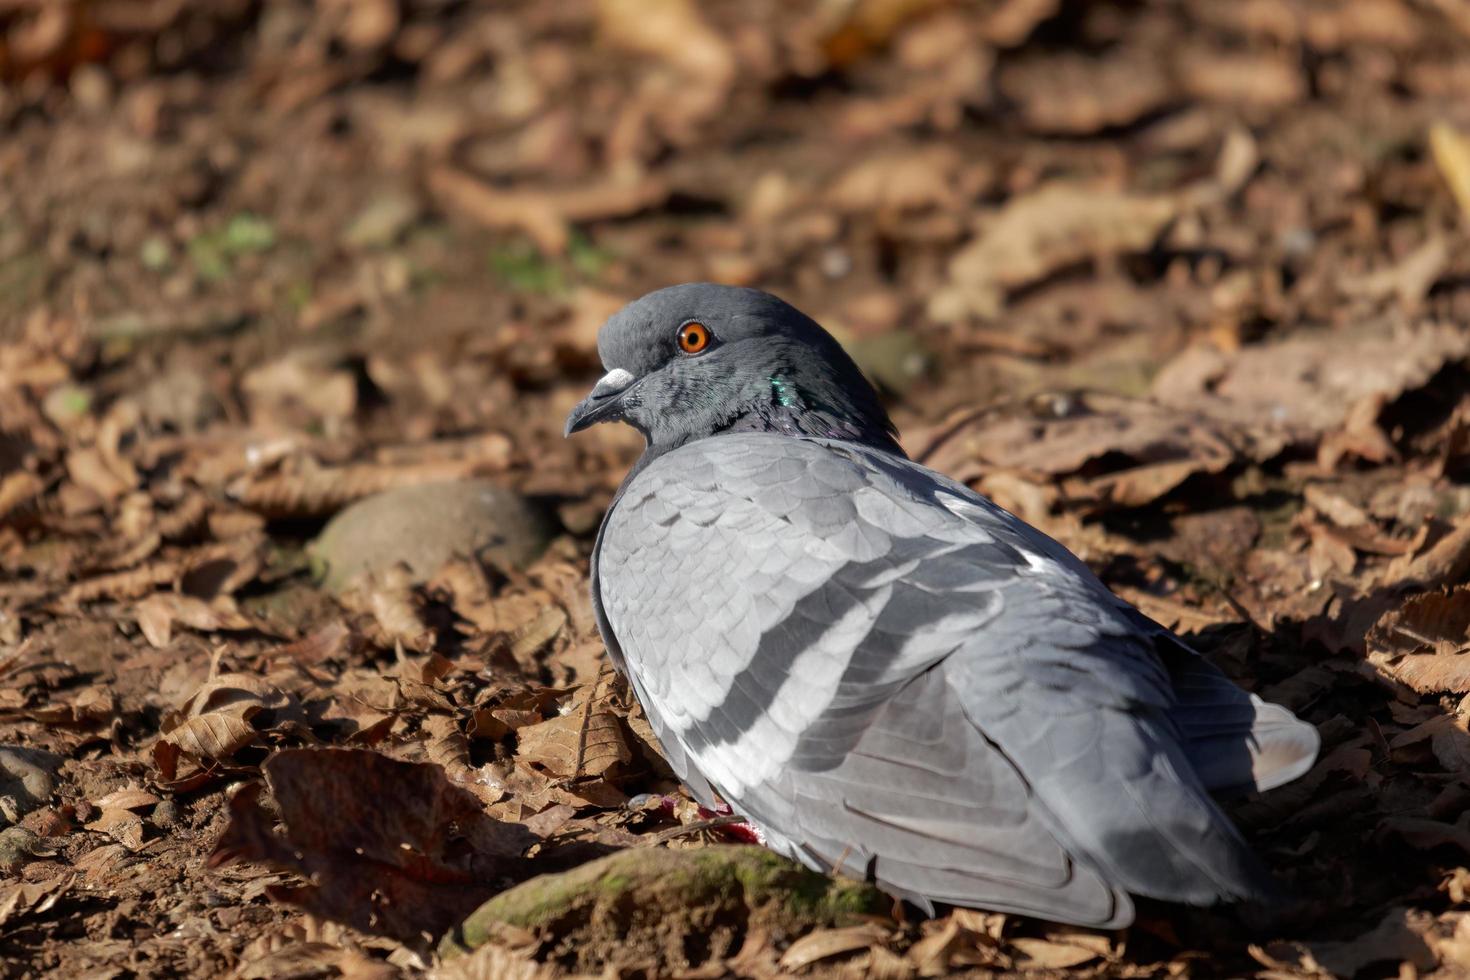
pixel 890 675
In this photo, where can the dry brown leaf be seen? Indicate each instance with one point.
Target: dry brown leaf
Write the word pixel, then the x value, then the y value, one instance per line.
pixel 213 736
pixel 1335 507
pixel 525 641
pixel 21 898
pixel 1077 94
pixel 1248 79
pixel 1425 643
pixel 315 959
pixel 544 216
pixel 823 944
pixel 1141 485
pixel 1063 949
pixel 494 962
pixel 1310 382
pixel 1448 737
pixel 930 955
pixel 672 30
pixel 304 386
pixel 447 745
pixel 1042 232
pixel 1453 950
pixel 92 706
pixel 122 585
pixel 1010 22
pixel 17 489
pixel 594 737
pixel 121 825
pixel 241 695
pixel 1164 445
pixel 1409 279
pixel 157 614
pixel 131 798
pixel 906 180
pixel 1328 556
pixel 1445 562
pixel 89 468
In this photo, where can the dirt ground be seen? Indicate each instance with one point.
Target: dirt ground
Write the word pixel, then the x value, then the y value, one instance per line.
pixel 1183 283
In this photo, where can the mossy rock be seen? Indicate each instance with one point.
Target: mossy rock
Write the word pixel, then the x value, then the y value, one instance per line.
pixel 677 908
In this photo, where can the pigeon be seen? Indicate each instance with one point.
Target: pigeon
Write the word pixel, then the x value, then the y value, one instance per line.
pixel 879 669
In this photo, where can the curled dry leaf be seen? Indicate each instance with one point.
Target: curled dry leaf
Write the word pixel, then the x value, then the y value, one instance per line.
pixel 413 868
pixel 447 746
pixel 1425 643
pixel 21 898
pixel 89 468
pixel 824 944
pixel 396 609
pixel 1062 949
pixel 1443 562
pixel 1251 81
pixel 122 585
pixel 241 695
pixel 132 798
pixel 157 614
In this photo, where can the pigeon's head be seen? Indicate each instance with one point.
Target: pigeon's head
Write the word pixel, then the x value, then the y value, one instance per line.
pixel 695 360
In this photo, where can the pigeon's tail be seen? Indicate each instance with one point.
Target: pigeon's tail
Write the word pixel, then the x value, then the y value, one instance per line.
pixel 1236 741
pixel 1154 831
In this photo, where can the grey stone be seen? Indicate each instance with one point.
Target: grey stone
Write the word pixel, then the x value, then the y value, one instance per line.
pixel 425 526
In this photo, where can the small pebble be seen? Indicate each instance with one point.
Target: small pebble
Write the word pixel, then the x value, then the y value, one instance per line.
pixel 167 814
pixel 17 847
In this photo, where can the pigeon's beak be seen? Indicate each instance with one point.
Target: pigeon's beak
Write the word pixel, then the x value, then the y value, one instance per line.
pixel 604 404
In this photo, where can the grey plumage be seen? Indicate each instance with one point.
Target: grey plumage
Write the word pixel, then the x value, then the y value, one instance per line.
pixel 882 669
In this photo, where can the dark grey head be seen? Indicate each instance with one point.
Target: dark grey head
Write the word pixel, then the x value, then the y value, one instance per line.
pixel 699 359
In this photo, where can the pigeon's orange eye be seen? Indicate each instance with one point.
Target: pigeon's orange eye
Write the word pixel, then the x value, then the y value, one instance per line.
pixel 693 338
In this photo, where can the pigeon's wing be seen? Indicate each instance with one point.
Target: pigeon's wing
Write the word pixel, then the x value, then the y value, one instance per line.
pixel 887 672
